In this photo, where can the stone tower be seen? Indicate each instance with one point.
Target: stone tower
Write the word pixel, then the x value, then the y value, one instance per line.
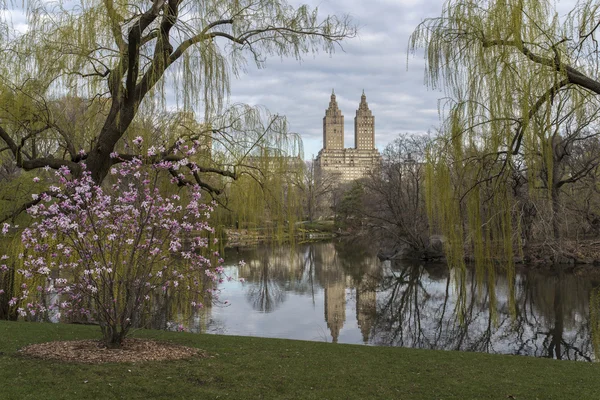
pixel 338 163
pixel 364 126
pixel 333 126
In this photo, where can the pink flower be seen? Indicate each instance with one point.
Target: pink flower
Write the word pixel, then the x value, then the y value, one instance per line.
pixel 76 231
pixel 36 179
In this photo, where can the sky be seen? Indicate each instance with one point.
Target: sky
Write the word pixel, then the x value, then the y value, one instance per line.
pixel 375 60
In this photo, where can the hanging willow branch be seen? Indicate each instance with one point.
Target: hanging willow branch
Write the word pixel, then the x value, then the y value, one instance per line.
pixel 524 84
pixel 78 82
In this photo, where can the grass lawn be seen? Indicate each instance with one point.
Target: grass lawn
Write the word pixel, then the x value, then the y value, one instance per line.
pixel 255 368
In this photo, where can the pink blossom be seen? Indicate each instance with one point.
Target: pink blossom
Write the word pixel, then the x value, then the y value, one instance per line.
pixel 76 234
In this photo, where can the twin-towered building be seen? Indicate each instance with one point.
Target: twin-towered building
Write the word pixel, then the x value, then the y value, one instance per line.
pixel 347 164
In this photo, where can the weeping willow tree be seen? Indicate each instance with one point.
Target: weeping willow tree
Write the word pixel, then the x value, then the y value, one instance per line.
pixel 121 59
pixel 267 191
pixel 520 78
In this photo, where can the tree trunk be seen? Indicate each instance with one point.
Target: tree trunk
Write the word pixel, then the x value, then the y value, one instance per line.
pixel 556 217
pixel 111 336
pixel 7 283
pixel 117 122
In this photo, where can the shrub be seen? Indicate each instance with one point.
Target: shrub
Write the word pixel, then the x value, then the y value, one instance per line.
pixel 109 254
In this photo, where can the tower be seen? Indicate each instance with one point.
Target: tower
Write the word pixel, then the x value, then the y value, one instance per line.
pixel 339 163
pixel 333 126
pixel 364 126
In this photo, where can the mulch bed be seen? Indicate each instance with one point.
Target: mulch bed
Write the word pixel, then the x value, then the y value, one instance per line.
pixel 95 352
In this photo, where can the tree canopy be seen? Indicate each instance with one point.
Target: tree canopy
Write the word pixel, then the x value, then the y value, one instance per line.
pixel 521 80
pixel 105 64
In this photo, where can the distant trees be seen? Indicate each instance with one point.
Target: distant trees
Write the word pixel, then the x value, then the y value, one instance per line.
pixel 350 205
pixel 390 202
pixel 267 194
pixel 393 209
pixel 395 193
pixel 318 191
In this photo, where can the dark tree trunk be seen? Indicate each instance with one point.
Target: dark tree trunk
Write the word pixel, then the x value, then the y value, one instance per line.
pixel 112 336
pixel 7 284
pixel 556 217
pixel 119 118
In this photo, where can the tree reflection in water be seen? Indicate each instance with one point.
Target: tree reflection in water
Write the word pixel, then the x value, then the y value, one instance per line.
pixel 416 305
pixel 268 273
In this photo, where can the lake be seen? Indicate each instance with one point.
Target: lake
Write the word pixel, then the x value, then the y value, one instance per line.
pixel 341 292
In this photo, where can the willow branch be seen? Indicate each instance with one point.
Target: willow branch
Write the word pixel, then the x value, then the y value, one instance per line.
pixel 548 95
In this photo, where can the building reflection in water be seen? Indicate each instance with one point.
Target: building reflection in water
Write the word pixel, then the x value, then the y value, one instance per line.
pixel 412 305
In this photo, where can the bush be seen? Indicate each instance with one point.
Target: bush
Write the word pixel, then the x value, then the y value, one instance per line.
pixel 110 255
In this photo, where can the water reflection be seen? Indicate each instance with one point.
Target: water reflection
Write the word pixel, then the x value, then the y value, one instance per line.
pixel 340 292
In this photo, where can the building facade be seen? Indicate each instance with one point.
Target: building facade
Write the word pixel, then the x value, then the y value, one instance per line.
pixel 347 164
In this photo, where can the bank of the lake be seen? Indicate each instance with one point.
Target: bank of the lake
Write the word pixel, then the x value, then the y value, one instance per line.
pixel 304 231
pixel 257 368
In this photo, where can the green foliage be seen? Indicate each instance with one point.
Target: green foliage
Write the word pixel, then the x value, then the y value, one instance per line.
pixel 349 210
pixel 10 281
pixel 70 48
pixel 522 86
pixel 267 195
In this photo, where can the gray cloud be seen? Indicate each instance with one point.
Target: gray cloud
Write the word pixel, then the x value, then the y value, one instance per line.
pixel 375 61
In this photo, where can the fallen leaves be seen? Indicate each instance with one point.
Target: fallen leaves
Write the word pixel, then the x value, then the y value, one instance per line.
pixel 94 351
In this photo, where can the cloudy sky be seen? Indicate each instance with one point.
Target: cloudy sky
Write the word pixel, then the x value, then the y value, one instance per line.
pixel 376 61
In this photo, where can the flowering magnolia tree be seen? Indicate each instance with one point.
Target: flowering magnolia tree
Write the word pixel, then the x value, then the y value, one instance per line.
pixel 110 255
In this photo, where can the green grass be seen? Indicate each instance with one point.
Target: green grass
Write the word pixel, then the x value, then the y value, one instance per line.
pixel 255 368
